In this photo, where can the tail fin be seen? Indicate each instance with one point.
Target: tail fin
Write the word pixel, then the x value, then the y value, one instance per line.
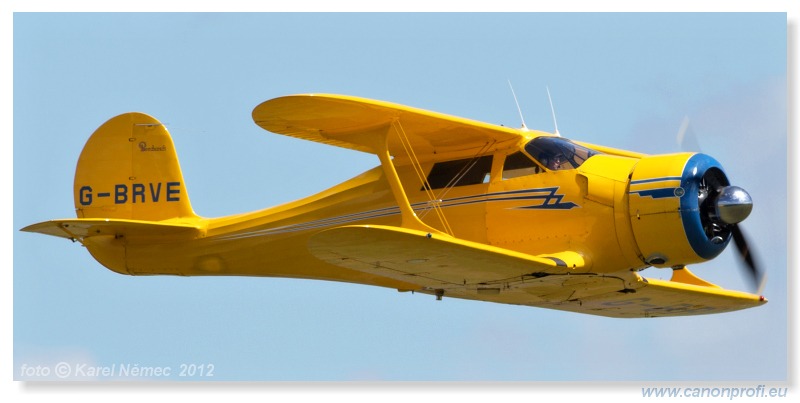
pixel 129 170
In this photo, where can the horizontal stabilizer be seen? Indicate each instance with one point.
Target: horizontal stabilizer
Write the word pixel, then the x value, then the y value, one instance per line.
pixel 78 229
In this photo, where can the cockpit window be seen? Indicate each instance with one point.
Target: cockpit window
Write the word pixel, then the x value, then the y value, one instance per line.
pixel 519 164
pixel 556 153
pixel 470 171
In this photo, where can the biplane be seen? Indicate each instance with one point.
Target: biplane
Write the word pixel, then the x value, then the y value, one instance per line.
pixel 456 208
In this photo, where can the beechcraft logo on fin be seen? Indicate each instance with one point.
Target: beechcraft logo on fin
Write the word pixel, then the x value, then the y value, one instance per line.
pixel 144 147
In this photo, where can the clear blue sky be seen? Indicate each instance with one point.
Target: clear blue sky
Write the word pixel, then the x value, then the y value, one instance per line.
pixel 623 80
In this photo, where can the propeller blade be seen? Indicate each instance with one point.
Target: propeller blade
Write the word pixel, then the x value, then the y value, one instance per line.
pixel 687 140
pixel 755 274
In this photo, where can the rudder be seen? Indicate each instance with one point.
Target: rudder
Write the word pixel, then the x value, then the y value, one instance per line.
pixel 129 169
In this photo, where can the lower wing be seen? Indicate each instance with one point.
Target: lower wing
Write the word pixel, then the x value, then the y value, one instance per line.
pixel 443 265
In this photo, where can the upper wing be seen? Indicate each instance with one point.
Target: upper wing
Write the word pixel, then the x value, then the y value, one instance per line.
pixel 448 266
pixel 350 122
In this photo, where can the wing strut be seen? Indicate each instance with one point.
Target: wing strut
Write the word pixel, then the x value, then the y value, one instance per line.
pixel 409 217
pixel 434 202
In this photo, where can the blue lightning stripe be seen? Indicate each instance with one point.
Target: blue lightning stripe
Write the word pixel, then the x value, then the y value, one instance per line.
pixel 549 198
pixel 651 180
pixel 662 193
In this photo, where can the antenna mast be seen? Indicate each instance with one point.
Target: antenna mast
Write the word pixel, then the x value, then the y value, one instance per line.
pixel 524 127
pixel 553 111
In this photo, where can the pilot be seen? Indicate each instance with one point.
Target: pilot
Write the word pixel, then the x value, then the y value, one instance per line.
pixel 556 161
pixel 553 162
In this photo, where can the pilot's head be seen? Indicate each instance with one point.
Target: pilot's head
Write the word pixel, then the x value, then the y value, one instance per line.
pixel 555 161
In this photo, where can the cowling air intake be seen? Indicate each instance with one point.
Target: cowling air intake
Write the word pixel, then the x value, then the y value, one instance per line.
pixel 683 209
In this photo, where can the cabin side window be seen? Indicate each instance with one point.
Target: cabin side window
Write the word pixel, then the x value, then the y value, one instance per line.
pixel 556 153
pixel 519 164
pixel 465 172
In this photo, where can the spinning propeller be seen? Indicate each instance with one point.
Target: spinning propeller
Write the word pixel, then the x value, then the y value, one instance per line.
pixel 723 207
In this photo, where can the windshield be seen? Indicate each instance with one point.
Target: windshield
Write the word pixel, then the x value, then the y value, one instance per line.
pixel 556 153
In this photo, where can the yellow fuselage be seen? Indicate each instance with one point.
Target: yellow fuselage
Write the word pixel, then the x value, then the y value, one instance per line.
pixel 500 212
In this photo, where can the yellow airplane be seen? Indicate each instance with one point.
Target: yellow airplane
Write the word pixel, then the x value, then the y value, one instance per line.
pixel 457 208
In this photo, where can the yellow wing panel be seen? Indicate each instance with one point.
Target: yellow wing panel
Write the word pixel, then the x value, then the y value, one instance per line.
pixel 354 123
pixel 433 261
pixel 618 295
pixel 659 298
pixel 448 266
